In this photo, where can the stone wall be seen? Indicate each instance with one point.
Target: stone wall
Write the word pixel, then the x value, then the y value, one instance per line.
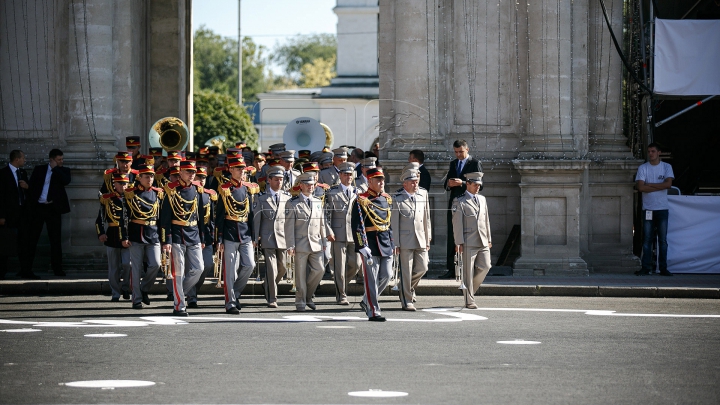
pixel 535 89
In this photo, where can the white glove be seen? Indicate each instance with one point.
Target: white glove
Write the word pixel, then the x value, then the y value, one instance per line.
pixel 365 251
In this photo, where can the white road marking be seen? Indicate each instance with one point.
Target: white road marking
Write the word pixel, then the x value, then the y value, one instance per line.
pixel 518 342
pixel 599 312
pixel 335 327
pixel 378 394
pixel 103 335
pixel 21 330
pixel 109 384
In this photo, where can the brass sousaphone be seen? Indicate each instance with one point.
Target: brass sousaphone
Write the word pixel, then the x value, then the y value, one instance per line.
pixel 170 133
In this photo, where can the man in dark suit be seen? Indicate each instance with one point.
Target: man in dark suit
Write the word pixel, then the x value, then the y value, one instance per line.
pixel 417 156
pixel 48 200
pixel 455 183
pixel 355 157
pixel 14 215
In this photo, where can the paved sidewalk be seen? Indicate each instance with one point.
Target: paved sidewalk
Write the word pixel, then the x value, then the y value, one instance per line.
pixel 596 285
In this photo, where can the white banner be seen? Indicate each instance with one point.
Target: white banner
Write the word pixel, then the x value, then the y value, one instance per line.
pixel 694 234
pixel 687 57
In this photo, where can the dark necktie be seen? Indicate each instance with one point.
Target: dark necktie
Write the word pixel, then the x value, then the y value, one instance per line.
pixel 459 166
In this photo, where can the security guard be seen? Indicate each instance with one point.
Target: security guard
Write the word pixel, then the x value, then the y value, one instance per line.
pixel 471 228
pixel 142 239
pixel 234 239
pixel 305 233
pixel 410 223
pixel 208 199
pixel 331 175
pixel 123 161
pixel 371 217
pixel 269 231
pixel 345 262
pixel 110 216
pixel 183 232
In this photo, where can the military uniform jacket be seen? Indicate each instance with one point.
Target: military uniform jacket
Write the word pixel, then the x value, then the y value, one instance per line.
pixel 143 205
pixel 338 214
pixel 471 222
pixel 375 211
pixel 208 199
pixel 330 176
pixel 234 217
pixel 410 219
pixel 289 179
pixel 319 192
pixel 107 186
pixel 269 219
pixel 305 226
pixel 111 214
pixel 182 213
pixel 362 184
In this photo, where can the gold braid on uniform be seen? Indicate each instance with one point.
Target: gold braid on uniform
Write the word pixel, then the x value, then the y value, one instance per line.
pixel 206 219
pixel 110 208
pixel 241 214
pixel 377 221
pixel 176 203
pixel 136 208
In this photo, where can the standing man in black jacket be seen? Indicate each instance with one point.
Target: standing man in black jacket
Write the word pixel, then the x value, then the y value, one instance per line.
pixel 14 216
pixel 417 156
pixel 455 184
pixel 48 200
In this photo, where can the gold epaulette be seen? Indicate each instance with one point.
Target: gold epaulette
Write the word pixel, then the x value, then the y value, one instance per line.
pixel 295 191
pixel 388 198
pixel 169 190
pixel 253 188
pixel 130 193
pixel 323 186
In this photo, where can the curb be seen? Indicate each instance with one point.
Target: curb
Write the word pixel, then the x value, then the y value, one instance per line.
pixel 327 288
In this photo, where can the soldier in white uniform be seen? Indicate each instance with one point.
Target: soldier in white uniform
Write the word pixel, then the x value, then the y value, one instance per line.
pixel 331 175
pixel 269 231
pixel 345 262
pixel 410 222
pixel 305 233
pixel 471 228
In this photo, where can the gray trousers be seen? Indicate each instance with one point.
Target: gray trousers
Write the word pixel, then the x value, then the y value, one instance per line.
pixel 476 265
pixel 275 260
pixel 207 255
pixel 138 252
pixel 187 266
pixel 238 264
pixel 309 270
pixel 413 264
pixel 118 270
pixel 377 277
pixel 345 264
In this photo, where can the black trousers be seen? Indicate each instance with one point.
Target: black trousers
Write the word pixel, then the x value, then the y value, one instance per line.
pixel 44 214
pixel 19 231
pixel 450 243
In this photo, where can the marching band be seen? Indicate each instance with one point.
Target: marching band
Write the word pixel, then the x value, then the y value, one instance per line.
pixel 190 214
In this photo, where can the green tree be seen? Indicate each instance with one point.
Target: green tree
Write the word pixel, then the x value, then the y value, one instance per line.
pixel 304 49
pixel 219 114
pixel 216 65
pixel 319 73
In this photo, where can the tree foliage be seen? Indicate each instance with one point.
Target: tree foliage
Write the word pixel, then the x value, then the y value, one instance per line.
pixel 319 73
pixel 219 114
pixel 216 65
pixel 305 49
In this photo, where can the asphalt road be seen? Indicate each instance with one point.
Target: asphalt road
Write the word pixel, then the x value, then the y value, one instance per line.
pixel 590 351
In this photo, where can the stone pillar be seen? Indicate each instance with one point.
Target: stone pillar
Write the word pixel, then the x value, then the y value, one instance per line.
pixel 550 223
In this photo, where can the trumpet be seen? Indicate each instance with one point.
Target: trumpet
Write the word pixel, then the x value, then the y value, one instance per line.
pixel 218 267
pixel 396 271
pixel 290 274
pixel 459 270
pixel 165 264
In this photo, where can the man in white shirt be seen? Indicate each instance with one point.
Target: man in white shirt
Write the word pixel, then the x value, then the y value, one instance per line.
pixel 653 179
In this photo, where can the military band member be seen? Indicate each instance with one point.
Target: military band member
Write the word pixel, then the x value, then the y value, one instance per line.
pixel 331 175
pixel 471 228
pixel 345 261
pixel 410 223
pixel 305 233
pixel 123 161
pixel 110 231
pixel 275 151
pixel 269 231
pixel 291 175
pixel 371 216
pixel 160 161
pixel 362 182
pixel 132 143
pixel 162 177
pixel 183 232
pixel 234 233
pixel 208 199
pixel 325 160
pixel 142 239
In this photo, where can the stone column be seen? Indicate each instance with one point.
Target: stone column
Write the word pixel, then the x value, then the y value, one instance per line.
pixel 550 222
